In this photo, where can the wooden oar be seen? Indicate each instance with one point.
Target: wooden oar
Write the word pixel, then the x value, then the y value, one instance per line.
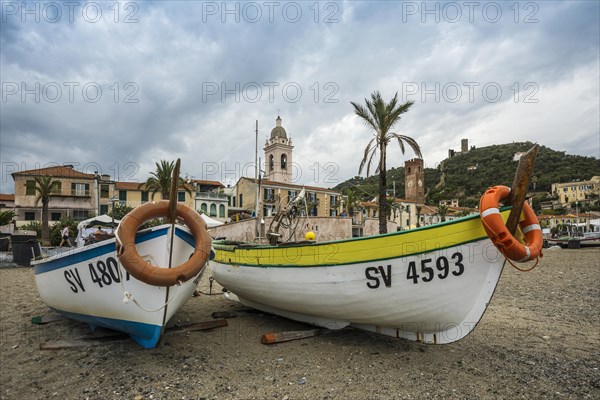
pixel 519 188
pixel 172 218
pixel 173 194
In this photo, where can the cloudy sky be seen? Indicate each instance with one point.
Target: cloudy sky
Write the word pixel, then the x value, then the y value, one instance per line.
pixel 116 87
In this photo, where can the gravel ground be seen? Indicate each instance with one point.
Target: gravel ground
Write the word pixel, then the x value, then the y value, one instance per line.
pixel 540 338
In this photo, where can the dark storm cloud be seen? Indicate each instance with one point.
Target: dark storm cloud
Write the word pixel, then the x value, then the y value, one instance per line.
pixel 189 79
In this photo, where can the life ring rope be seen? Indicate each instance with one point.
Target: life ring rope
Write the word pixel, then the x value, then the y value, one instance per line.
pixel 507 244
pixel 144 270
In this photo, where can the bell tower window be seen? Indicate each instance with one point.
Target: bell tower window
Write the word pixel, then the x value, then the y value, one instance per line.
pixel 271 163
pixel 283 161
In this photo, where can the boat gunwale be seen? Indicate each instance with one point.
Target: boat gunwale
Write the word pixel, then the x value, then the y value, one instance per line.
pixel 381 235
pixel 217 246
pixel 99 249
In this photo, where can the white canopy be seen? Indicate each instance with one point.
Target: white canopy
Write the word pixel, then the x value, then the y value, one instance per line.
pixel 104 220
pixel 211 223
pixel 88 226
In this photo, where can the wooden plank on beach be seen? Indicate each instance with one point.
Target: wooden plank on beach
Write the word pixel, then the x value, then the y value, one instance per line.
pixel 78 343
pixel 46 319
pixel 286 336
pixel 88 341
pixel 199 326
pixel 235 313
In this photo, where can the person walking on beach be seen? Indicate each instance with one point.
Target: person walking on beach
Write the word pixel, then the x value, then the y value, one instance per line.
pixel 65 237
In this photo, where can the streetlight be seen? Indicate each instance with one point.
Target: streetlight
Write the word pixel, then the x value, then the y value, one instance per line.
pixel 577 217
pixel 112 208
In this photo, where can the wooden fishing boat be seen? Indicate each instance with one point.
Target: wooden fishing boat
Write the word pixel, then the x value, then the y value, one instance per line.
pixel 430 284
pixel 126 283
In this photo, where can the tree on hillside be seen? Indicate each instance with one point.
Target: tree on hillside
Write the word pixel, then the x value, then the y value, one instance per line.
pixel 159 181
pixel 44 185
pixel 381 117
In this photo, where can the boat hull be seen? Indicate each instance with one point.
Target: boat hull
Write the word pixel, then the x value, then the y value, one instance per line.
pixel 431 284
pixel 577 242
pixel 89 284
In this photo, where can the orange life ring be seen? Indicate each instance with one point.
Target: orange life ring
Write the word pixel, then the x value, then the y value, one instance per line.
pixel 495 228
pixel 144 270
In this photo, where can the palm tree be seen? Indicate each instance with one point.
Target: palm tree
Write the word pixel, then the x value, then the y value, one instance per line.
pixel 381 117
pixel 442 212
pixel 6 217
pixel 160 180
pixel 44 186
pixel 351 202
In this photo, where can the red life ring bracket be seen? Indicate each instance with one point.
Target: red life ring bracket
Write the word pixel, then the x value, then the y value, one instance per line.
pixel 509 246
pixel 144 270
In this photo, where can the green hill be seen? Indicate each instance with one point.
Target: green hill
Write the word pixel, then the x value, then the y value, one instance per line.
pixel 466 176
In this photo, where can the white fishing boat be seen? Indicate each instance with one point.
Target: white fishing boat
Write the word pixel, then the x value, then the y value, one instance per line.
pixel 577 235
pixel 126 283
pixel 430 284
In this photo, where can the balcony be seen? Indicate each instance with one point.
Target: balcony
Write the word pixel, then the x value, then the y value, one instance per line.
pixel 211 195
pixel 80 193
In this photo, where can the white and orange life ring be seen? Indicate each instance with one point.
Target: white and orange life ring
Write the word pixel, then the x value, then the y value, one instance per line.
pixel 144 270
pixel 495 228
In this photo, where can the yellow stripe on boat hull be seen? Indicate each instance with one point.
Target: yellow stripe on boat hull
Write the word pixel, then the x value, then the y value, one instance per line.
pixel 351 251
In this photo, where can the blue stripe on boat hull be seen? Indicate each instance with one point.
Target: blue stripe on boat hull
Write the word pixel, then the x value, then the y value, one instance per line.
pixel 146 335
pixel 93 252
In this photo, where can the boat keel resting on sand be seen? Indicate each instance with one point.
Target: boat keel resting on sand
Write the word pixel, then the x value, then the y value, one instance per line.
pixel 430 284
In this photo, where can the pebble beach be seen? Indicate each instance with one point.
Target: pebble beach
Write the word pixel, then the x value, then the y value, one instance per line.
pixel 539 338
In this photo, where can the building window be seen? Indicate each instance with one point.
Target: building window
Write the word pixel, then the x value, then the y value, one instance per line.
pixel 222 211
pixel 80 189
pixel 30 188
pixel 203 208
pixel 80 215
pixel 144 196
pixel 55 216
pixel 332 201
pixel 104 191
pixel 29 216
pixel 271 163
pixel 283 161
pixel 269 195
pixel 122 195
pixel 103 209
pixel 213 210
pixel 57 188
pixel 241 200
pixel 181 196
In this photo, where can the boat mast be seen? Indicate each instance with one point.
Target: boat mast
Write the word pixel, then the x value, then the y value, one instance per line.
pixel 256 172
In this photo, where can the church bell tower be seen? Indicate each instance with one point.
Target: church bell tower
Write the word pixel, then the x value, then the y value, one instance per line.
pixel 278 155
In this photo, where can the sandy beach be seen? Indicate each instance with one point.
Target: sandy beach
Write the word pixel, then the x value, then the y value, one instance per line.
pixel 539 338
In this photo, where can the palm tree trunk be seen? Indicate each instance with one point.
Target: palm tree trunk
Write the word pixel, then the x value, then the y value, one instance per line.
pixel 45 230
pixel 382 191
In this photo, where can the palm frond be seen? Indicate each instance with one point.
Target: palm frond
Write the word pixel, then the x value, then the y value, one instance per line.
pixel 411 142
pixel 365 156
